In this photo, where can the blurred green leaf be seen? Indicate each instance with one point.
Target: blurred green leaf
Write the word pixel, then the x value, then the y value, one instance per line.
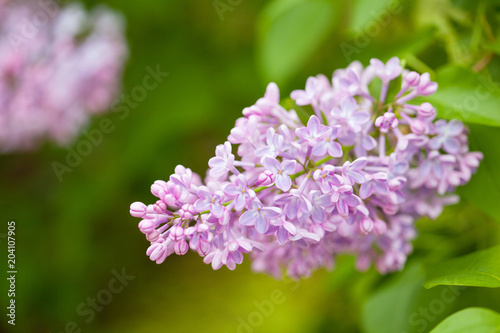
pixel 388 309
pixel 479 269
pixel 484 188
pixel 416 43
pixel 386 47
pixel 397 306
pixel 494 46
pixel 289 33
pixel 467 96
pixel 445 16
pixel 367 12
pixel 470 320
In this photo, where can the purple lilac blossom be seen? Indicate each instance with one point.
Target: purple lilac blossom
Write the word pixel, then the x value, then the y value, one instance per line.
pixel 354 179
pixel 54 76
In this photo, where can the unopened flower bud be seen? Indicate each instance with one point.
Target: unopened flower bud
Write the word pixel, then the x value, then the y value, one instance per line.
pixel 138 209
pixel 426 87
pixel 203 248
pixel 176 233
pixel 418 127
pixel 153 236
pixel 181 248
pixel 146 226
pixel 412 79
pixel 365 226
pixel 426 110
pixel 265 179
pixel 379 227
pixel 160 207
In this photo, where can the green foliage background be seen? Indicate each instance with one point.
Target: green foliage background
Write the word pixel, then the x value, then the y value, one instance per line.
pixel 72 234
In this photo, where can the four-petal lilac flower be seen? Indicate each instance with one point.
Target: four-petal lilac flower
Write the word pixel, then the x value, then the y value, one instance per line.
pixel 344 197
pixel 315 87
pixel 282 171
pixel 293 202
pixel 285 230
pixel 314 132
pixel 349 114
pixel 259 216
pixel 240 191
pixel 319 203
pixel 327 178
pixel 374 183
pixel 223 162
pixel 274 143
pixel 448 136
pixel 365 143
pixel 209 201
pixel 233 253
pixel 351 171
pixel 328 145
pixel 389 71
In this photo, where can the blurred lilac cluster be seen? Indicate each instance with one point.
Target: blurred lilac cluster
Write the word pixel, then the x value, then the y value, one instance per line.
pixel 58 65
pixel 354 179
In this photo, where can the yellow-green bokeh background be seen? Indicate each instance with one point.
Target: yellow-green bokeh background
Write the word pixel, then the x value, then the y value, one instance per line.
pixel 72 234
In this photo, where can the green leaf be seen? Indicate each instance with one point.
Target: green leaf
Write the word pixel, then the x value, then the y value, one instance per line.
pixel 392 301
pixel 386 47
pixel 368 12
pixel 479 269
pixel 470 320
pixel 467 96
pixel 290 32
pixel 493 46
pixel 484 188
pixel 396 307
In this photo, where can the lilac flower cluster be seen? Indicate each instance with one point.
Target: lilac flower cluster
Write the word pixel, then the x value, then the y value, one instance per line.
pixel 354 179
pixel 57 67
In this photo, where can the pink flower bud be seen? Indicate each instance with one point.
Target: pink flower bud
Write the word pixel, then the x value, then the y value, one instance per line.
pixel 203 247
pixel 412 79
pixel 160 207
pixel 138 209
pixel 157 187
pixel 390 208
pixel 169 199
pixel 418 127
pixel 146 226
pixel 426 110
pixel 181 248
pixel 365 226
pixel 186 215
pixel 426 87
pixel 176 233
pixel 153 236
pixel 379 227
pixel 265 179
pixel 155 250
pixel 186 212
